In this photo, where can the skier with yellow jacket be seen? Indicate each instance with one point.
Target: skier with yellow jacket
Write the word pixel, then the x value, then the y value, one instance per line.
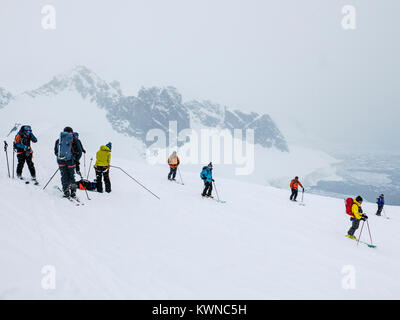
pixel 102 167
pixel 356 213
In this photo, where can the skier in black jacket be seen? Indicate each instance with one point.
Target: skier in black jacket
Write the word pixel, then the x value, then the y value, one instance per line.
pixel 78 153
pixel 22 145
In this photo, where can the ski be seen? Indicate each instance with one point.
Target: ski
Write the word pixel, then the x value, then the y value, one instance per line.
pixel 366 243
pixel 177 182
pixel 217 200
pixel 75 200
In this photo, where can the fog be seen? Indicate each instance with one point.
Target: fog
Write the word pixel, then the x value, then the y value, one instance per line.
pixel 335 88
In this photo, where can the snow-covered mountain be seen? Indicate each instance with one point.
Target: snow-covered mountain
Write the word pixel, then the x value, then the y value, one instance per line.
pixel 154 107
pixel 5 97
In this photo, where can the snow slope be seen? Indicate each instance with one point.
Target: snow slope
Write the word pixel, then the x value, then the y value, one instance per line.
pixel 130 245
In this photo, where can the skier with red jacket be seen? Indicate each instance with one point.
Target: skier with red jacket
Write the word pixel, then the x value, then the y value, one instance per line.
pixel 294 186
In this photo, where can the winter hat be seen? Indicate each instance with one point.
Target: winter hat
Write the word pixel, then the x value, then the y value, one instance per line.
pixel 210 165
pixel 382 195
pixel 68 129
pixel 359 199
pixel 109 145
pixel 76 135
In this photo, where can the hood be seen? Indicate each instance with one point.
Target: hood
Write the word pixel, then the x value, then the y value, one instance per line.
pixel 105 148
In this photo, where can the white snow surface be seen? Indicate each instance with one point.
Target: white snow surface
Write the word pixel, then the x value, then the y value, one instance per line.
pixel 130 245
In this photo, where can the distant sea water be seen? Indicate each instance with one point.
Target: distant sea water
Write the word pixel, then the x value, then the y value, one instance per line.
pixel 367 175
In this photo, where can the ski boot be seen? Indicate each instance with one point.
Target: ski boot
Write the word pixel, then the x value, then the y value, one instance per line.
pixel 351 237
pixel 35 182
pixel 66 194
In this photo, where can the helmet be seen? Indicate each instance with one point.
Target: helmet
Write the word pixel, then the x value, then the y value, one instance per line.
pixel 68 129
pixel 359 199
pixel 210 166
pixel 109 145
pixel 26 129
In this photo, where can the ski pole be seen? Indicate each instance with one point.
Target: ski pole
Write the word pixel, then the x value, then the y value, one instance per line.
pixel 51 178
pixel 90 166
pixel 84 162
pixel 216 191
pixel 360 232
pixel 87 195
pixel 180 175
pixel 384 212
pixel 5 150
pixel 369 231
pixel 135 181
pixel 13 167
pixel 302 196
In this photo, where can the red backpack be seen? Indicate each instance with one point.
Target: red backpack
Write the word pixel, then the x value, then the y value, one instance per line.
pixel 349 204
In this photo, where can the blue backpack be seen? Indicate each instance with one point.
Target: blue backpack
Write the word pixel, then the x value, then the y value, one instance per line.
pixel 65 146
pixel 204 172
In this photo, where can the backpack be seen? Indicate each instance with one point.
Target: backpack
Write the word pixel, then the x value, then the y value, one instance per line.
pixel 349 204
pixel 65 146
pixel 84 184
pixel 204 172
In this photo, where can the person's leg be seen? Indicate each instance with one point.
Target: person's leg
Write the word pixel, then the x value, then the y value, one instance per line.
pixel 99 177
pixel 107 181
pixel 71 177
pixel 291 195
pixel 174 173
pixel 210 187
pixel 378 213
pixel 170 173
pixel 20 165
pixel 205 189
pixel 295 191
pixel 64 178
pixel 31 166
pixel 354 226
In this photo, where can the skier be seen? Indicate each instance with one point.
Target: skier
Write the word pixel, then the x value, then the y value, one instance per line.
pixel 173 162
pixel 78 153
pixel 102 167
pixel 381 202
pixel 22 145
pixel 353 208
pixel 206 175
pixel 294 185
pixel 65 148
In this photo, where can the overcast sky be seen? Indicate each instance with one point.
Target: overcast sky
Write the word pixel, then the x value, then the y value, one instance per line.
pixel 289 58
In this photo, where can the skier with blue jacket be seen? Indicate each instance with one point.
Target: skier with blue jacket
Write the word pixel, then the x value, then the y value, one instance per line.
pixel 206 175
pixel 380 202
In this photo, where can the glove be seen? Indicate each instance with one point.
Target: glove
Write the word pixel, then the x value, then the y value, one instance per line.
pixel 212 180
pixel 364 217
pixel 303 189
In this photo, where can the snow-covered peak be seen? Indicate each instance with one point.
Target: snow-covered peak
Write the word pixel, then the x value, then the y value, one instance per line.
pixel 5 97
pixel 84 81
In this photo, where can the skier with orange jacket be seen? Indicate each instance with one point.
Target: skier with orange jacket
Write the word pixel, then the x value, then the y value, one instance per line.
pixel 294 186
pixel 173 162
